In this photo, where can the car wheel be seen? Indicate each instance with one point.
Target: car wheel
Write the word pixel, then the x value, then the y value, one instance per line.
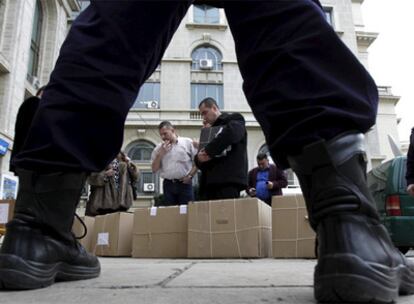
pixel 404 249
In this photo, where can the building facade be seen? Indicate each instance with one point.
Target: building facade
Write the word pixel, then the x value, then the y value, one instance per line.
pixel 199 62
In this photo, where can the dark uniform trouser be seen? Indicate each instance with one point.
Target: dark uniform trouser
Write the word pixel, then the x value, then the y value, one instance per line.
pixel 300 80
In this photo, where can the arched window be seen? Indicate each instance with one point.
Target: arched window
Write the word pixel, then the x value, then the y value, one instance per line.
pixel 206 58
pixel 34 55
pixel 141 151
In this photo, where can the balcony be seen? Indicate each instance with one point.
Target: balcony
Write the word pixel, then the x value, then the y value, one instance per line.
pixel 189 117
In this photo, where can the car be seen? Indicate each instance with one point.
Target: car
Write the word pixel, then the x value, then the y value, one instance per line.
pixel 395 206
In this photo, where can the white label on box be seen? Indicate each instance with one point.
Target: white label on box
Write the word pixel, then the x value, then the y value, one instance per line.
pixel 4 213
pixel 103 238
pixel 153 211
pixel 183 209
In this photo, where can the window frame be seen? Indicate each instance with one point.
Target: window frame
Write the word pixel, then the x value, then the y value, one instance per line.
pixel 145 145
pixel 219 97
pixel 35 41
pixel 206 52
pixel 204 18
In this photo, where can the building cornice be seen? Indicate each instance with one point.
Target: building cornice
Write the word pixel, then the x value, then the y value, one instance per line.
pixel 211 26
pixel 366 38
pixel 386 95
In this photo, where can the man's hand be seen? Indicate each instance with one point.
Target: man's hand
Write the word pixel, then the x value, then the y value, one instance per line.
pixel 187 179
pixel 202 156
pixel 410 189
pixel 269 185
pixel 165 147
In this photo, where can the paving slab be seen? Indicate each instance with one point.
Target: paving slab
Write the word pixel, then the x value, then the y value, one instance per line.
pixel 260 273
pixel 169 281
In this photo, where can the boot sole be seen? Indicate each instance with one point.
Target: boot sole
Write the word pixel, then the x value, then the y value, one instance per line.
pixel 343 278
pixel 19 274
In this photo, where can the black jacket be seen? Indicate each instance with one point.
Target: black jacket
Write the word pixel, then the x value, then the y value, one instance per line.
pixel 231 168
pixel 410 160
pixel 24 120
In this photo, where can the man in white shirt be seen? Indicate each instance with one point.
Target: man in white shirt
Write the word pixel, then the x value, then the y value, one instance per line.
pixel 173 158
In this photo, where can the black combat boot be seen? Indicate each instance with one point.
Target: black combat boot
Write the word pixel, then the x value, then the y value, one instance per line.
pixel 357 261
pixel 39 247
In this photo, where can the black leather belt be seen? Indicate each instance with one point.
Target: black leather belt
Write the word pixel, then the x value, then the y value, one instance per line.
pixel 179 181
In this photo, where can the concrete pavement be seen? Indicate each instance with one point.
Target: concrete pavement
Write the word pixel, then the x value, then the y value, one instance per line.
pixel 159 281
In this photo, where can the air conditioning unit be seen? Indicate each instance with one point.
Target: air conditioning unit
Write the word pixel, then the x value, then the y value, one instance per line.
pixel 206 64
pixel 152 104
pixel 149 187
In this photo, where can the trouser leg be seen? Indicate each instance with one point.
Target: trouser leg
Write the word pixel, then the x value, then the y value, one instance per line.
pixel 170 193
pixel 301 81
pixel 185 194
pixel 109 52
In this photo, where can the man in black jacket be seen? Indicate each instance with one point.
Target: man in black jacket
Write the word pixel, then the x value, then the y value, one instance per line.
pixel 410 165
pixel 224 174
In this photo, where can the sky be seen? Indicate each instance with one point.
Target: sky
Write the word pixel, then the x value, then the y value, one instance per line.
pixel 391 56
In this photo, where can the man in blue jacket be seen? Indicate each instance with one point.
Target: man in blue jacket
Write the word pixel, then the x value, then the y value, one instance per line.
pixel 266 180
pixel 310 94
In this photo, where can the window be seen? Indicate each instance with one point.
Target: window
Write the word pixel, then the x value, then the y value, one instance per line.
pixel 141 151
pixel 328 14
pixel 199 91
pixel 148 96
pixel 209 53
pixel 206 14
pixel 34 55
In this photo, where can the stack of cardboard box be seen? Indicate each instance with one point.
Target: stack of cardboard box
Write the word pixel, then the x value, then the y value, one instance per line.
pixel 292 236
pixel 233 228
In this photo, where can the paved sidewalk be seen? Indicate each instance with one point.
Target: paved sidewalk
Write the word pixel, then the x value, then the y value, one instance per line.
pixel 156 281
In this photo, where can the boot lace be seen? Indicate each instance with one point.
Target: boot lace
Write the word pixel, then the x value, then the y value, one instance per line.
pixel 85 230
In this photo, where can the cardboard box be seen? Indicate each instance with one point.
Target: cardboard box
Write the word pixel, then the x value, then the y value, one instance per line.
pixel 79 230
pixel 112 234
pixel 233 228
pixel 292 236
pixel 160 232
pixel 6 212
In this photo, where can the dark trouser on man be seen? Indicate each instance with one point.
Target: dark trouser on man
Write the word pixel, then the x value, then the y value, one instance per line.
pixel 311 96
pixel 177 193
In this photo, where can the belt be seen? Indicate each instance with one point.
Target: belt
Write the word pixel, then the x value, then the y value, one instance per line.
pixel 175 181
